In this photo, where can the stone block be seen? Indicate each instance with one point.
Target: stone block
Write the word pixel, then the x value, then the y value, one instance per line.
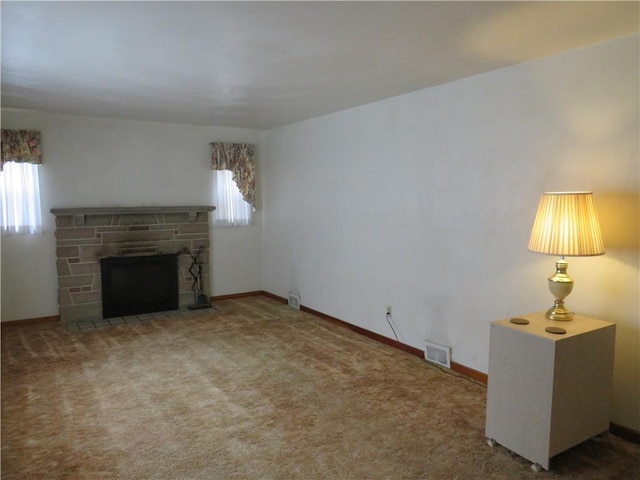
pixel 138 250
pixel 68 251
pixel 75 281
pixel 93 253
pixel 185 299
pixel 102 322
pixel 85 268
pixel 189 236
pixel 63 297
pixel 184 260
pixel 184 284
pixel 138 219
pixel 204 256
pixel 173 246
pixel 86 297
pixel 183 271
pixel 111 228
pixel 198 242
pixel 165 226
pixel 75 233
pixel 80 241
pixel 186 228
pixel 63 267
pixel 202 217
pixel 78 313
pixel 130 237
pixel 174 218
pixel 98 220
pixel 64 222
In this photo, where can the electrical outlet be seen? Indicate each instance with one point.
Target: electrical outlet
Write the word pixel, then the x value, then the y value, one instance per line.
pixel 389 310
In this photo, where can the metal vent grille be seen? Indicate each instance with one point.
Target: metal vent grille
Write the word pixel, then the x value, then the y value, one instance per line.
pixel 294 300
pixel 438 354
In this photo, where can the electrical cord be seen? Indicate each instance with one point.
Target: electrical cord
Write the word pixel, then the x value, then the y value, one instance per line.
pixel 392 329
pixel 442 369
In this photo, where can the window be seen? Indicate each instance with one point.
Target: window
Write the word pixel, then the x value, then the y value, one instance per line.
pixel 231 210
pixel 20 198
pixel 234 183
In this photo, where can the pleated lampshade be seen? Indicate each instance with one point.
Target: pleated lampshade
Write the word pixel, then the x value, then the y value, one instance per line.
pixel 567 225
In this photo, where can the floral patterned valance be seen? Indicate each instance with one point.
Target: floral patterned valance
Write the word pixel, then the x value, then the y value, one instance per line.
pixel 237 157
pixel 21 146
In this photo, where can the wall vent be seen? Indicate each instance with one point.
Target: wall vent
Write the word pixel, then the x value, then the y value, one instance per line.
pixel 438 354
pixel 294 300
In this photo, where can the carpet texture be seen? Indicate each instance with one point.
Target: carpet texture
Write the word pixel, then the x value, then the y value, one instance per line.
pixel 251 390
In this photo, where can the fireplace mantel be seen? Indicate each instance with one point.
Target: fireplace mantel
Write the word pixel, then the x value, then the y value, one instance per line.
pixel 84 235
pixel 80 213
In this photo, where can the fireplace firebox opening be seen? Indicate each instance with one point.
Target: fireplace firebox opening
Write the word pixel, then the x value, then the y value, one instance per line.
pixel 134 285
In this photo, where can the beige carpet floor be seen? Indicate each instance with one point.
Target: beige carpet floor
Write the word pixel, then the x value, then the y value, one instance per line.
pixel 251 390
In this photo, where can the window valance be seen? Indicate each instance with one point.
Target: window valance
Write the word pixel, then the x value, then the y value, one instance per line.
pixel 238 158
pixel 21 146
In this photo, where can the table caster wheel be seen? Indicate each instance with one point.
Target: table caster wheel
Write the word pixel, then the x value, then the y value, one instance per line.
pixel 491 442
pixel 536 467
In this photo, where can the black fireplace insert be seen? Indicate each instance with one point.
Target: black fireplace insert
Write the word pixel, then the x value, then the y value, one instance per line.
pixel 139 284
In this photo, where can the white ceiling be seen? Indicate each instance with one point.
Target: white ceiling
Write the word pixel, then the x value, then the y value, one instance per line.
pixel 266 64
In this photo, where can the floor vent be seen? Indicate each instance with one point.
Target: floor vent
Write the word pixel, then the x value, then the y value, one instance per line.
pixel 438 354
pixel 294 300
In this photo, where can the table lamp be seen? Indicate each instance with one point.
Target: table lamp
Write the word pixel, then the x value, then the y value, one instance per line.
pixel 566 225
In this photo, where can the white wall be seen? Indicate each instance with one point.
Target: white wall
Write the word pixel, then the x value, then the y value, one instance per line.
pixel 102 162
pixel 425 202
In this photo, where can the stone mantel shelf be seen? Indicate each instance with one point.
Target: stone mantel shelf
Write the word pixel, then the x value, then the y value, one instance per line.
pixel 130 210
pixel 80 212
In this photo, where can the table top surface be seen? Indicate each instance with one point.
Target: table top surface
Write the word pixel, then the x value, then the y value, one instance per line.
pixel 538 323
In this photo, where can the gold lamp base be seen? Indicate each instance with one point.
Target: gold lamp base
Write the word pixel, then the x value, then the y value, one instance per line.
pixel 560 285
pixel 559 312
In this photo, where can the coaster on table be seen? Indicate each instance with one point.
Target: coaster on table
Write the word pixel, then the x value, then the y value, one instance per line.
pixel 556 330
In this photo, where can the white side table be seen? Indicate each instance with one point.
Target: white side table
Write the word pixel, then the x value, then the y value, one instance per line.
pixel 548 392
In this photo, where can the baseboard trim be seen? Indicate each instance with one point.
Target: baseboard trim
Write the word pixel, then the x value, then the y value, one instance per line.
pixel 236 295
pixel 275 297
pixel 456 367
pixel 363 331
pixel 29 321
pixel 470 372
pixel 626 433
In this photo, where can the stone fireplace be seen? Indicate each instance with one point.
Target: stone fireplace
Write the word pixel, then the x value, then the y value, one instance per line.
pixel 84 236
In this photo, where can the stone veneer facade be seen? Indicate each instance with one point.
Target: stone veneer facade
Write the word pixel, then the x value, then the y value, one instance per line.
pixel 85 235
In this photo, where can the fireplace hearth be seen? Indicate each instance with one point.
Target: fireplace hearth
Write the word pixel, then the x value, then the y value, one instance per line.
pixel 86 236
